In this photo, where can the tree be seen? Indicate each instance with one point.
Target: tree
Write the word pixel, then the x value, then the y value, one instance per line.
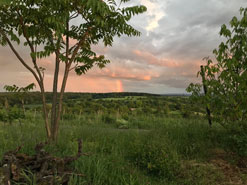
pixel 226 79
pixel 21 91
pixel 46 28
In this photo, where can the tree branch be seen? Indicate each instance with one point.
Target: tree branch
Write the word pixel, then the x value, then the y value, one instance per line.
pixel 67 42
pixel 20 58
pixel 31 46
pixel 73 67
pixel 79 45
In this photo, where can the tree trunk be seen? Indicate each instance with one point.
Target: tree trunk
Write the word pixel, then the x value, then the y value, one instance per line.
pixel 205 92
pixel 54 99
pixel 45 113
pixel 60 102
pixel 56 120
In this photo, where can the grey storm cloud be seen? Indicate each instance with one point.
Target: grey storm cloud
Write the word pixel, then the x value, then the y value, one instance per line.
pixel 176 36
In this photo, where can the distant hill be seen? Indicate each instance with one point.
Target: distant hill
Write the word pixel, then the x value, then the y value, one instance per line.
pixel 175 94
pixel 35 97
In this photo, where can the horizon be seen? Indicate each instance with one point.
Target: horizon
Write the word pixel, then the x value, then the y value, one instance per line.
pixel 185 94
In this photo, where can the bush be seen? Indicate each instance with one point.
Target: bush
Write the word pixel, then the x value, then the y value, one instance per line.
pixel 68 116
pixel 3 116
pixel 122 124
pixel 108 119
pixel 155 157
pixel 186 113
pixel 237 138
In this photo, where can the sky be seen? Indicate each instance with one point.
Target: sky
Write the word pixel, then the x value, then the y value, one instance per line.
pixel 176 36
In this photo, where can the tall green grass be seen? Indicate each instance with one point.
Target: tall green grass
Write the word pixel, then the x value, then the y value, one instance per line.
pixel 153 150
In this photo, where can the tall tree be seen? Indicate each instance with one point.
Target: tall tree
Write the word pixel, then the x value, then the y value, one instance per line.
pixel 46 28
pixel 226 78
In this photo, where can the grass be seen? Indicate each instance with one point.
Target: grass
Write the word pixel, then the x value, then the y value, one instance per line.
pixel 153 150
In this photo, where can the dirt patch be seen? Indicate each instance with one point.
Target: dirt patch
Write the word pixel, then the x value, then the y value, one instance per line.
pixel 233 167
pixel 222 168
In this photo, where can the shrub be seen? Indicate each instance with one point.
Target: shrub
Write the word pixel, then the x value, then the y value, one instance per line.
pixel 237 139
pixel 3 116
pixel 108 119
pixel 69 116
pixel 157 158
pixel 122 124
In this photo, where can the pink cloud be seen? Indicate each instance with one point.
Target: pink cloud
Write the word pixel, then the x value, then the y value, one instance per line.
pixel 151 59
pixel 124 72
pixel 87 84
pixel 90 84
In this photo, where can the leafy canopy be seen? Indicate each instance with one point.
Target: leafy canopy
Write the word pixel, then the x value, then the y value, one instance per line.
pixel 45 25
pixel 226 79
pixel 15 88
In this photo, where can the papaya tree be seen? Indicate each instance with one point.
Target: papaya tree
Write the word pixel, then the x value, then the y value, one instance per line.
pixel 66 29
pixel 225 79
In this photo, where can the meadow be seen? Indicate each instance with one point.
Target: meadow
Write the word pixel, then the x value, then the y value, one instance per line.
pixel 132 139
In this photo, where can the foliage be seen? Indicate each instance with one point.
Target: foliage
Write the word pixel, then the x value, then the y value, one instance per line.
pixel 122 124
pixel 111 105
pixel 108 119
pixel 4 2
pixel 47 27
pixel 14 113
pixel 156 157
pixel 166 109
pixel 17 89
pixel 114 153
pixel 3 116
pixel 226 78
pixel 238 143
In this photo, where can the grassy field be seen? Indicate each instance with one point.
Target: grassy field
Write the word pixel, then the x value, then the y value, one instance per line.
pixel 155 150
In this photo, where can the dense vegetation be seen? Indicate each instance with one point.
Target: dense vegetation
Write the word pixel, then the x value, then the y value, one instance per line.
pixel 107 104
pixel 132 138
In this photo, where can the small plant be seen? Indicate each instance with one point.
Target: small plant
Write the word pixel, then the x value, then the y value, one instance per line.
pixel 21 92
pixel 122 124
pixel 3 116
pixel 15 113
pixel 237 139
pixel 156 157
pixel 108 119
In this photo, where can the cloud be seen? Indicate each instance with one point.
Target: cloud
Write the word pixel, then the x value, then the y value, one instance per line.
pixel 123 71
pixel 155 13
pixel 91 84
pixel 176 35
pixel 151 59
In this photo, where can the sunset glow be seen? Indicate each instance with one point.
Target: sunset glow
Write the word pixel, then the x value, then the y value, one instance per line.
pixel 164 59
pixel 119 86
pixel 92 84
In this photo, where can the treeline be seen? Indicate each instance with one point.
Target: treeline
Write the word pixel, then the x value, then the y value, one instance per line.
pixel 13 106
pixel 35 97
